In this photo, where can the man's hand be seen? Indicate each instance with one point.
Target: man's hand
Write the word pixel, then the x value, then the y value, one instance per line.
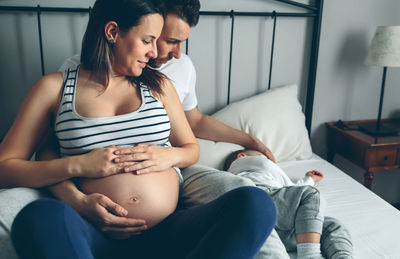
pixel 315 175
pixel 256 144
pixel 110 217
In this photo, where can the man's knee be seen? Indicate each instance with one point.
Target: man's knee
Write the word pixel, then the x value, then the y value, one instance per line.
pixel 204 186
pixel 235 182
pixel 217 182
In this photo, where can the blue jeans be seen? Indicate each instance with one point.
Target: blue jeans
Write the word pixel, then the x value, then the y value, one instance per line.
pixel 232 226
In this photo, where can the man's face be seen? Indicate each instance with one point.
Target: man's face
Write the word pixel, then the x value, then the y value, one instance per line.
pixel 169 45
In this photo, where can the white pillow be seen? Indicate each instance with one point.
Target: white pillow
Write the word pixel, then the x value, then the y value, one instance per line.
pixel 274 116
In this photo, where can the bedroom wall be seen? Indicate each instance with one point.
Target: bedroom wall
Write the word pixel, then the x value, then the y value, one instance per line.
pixel 346 88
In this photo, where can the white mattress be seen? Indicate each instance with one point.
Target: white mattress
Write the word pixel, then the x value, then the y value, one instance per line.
pixel 373 223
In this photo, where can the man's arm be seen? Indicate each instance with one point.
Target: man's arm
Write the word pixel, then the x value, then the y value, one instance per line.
pixel 207 127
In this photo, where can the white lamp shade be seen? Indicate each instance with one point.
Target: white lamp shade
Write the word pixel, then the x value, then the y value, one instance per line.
pixel 384 50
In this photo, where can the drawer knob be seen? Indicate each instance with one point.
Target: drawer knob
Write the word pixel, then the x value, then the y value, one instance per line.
pixel 385 158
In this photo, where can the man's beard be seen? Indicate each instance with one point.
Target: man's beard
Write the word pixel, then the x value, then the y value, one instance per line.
pixel 153 63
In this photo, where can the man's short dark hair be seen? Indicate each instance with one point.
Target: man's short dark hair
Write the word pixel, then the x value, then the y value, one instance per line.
pixel 187 10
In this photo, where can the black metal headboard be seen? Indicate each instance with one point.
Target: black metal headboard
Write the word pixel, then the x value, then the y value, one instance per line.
pixel 308 11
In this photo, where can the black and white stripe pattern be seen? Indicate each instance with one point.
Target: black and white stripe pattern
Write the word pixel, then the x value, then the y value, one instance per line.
pixel 78 135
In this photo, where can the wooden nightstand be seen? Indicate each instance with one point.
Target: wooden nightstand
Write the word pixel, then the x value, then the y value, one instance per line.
pixel 382 153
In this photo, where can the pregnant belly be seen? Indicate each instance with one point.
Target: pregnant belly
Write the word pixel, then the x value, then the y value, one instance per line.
pixel 151 197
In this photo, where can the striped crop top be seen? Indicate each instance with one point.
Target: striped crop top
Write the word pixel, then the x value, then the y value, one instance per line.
pixel 78 135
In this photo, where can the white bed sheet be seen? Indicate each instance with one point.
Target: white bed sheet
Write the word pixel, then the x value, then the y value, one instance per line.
pixel 373 223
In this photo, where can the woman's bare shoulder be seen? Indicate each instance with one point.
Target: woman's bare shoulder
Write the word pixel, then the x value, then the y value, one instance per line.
pixel 51 81
pixel 47 89
pixel 167 87
pixel 50 84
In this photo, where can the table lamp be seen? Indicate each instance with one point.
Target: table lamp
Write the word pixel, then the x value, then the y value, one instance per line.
pixel 384 51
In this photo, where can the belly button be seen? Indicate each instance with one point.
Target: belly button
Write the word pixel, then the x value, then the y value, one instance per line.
pixel 134 199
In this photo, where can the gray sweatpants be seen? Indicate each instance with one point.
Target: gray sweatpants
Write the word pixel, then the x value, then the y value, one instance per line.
pixel 335 240
pixel 298 210
pixel 203 184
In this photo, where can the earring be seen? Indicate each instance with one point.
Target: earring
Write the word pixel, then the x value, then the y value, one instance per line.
pixel 111 41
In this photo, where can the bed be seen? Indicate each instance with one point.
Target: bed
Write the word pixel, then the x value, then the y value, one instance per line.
pixel 280 116
pixel 373 223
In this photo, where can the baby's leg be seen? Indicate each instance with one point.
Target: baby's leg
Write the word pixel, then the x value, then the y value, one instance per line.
pixel 312 237
pixel 308 237
pixel 299 219
pixel 308 224
pixel 336 240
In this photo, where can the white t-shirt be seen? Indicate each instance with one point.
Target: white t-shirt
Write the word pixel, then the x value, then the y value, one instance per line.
pixel 180 71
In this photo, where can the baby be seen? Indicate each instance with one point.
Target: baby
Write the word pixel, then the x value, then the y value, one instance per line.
pixel 299 205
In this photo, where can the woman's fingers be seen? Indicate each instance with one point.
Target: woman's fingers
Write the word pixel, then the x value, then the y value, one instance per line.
pixel 123 224
pixel 112 207
pixel 122 227
pixel 113 221
pixel 142 167
pixel 143 159
pixel 145 166
pixel 132 157
pixel 141 148
pixel 123 232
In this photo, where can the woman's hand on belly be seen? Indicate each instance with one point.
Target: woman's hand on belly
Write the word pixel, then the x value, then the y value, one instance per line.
pixel 100 162
pixel 110 217
pixel 151 197
pixel 145 158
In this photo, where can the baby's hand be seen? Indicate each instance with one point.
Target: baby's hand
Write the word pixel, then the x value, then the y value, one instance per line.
pixel 315 175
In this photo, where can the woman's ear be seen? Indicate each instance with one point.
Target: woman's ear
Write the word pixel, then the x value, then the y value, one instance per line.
pixel 240 155
pixel 111 31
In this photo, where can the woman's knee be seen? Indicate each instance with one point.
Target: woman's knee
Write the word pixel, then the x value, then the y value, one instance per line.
pixel 38 209
pixel 34 222
pixel 42 216
pixel 255 207
pixel 36 216
pixel 256 214
pixel 47 228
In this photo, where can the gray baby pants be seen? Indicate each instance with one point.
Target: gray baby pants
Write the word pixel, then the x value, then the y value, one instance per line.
pixel 335 240
pixel 298 210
